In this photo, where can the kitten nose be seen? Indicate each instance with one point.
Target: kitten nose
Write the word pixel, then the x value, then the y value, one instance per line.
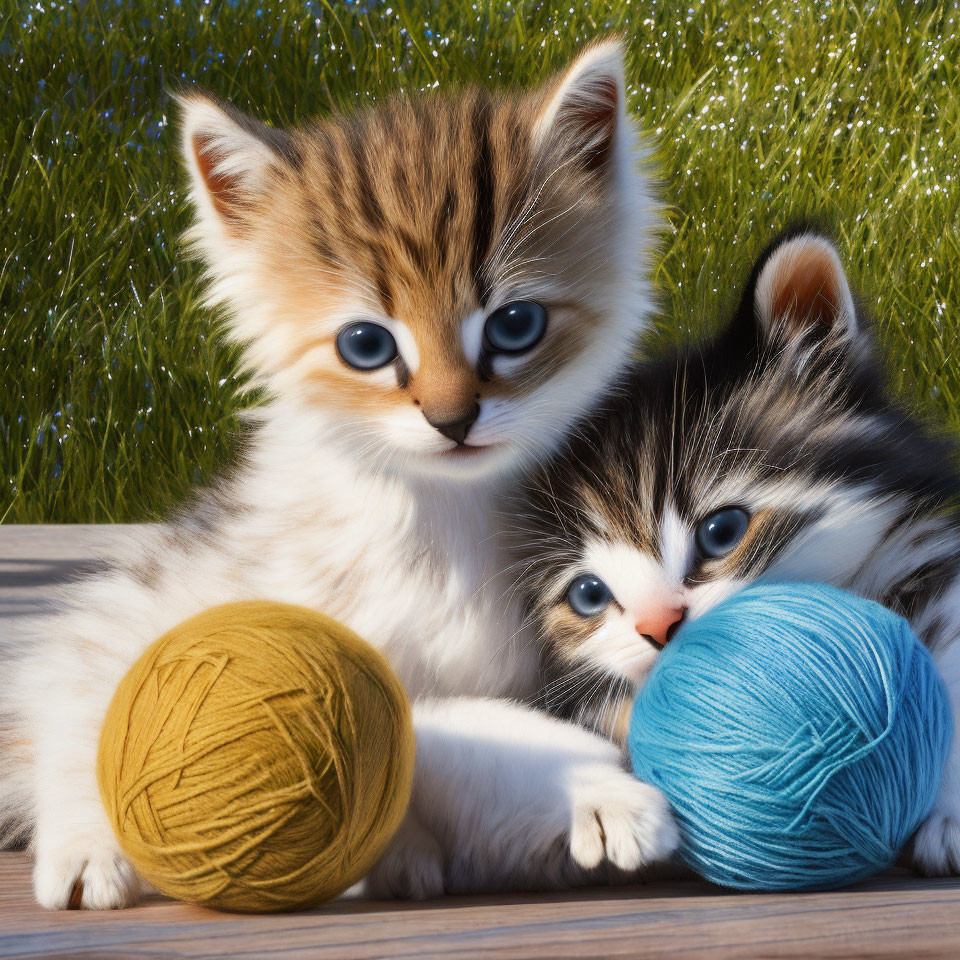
pixel 456 430
pixel 660 627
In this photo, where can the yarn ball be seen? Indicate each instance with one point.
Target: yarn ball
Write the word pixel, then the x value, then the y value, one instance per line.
pixel 799 733
pixel 256 758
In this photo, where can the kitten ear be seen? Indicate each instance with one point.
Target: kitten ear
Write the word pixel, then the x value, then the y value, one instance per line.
pixel 229 157
pixel 800 287
pixel 586 109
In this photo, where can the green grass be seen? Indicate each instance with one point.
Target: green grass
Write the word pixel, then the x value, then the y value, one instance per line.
pixel 114 393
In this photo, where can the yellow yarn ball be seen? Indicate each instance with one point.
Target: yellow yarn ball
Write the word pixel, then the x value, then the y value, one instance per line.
pixel 257 757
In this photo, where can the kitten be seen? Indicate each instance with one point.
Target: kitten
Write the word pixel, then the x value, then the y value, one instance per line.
pixel 772 452
pixel 430 292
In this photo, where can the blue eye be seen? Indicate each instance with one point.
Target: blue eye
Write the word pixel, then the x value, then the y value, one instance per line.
pixel 515 328
pixel 722 531
pixel 588 595
pixel 366 346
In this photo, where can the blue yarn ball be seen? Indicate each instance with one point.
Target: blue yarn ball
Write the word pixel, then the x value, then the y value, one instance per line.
pixel 799 733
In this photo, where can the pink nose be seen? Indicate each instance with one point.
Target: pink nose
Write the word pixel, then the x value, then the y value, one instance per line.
pixel 660 626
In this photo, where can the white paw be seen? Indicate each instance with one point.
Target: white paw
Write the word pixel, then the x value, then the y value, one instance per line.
pixel 72 877
pixel 936 847
pixel 410 869
pixel 622 820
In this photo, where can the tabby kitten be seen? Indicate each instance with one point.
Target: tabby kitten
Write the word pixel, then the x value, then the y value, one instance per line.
pixel 773 452
pixel 430 292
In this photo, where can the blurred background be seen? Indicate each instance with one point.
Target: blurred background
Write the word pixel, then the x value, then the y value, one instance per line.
pixel 115 393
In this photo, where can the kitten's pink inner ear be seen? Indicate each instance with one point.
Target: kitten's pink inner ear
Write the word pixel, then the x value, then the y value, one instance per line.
pixel 594 120
pixel 583 111
pixel 807 290
pixel 222 187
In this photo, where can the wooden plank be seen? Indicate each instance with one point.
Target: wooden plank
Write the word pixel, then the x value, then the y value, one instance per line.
pixel 33 559
pixel 895 915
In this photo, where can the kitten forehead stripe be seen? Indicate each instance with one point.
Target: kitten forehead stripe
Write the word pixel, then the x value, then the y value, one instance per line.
pixel 483 200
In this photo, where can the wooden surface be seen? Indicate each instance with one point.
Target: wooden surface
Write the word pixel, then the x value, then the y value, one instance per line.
pixel 34 559
pixel 892 916
pixel 895 915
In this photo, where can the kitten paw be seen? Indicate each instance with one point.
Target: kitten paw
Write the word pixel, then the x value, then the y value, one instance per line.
pixel 936 847
pixel 410 869
pixel 76 879
pixel 622 820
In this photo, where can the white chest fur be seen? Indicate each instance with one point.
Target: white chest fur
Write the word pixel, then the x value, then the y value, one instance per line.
pixel 414 569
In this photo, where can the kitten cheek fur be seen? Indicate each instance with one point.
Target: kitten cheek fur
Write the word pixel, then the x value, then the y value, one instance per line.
pixel 427 213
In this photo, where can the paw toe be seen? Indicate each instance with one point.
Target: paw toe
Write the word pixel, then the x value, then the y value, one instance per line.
pixel 109 883
pixel 419 878
pixel 936 847
pixel 103 881
pixel 587 838
pixel 412 869
pixel 426 880
pixel 620 841
pixel 56 883
pixel 656 831
pixel 629 824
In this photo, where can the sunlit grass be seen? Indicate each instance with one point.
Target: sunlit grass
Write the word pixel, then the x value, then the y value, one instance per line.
pixel 114 393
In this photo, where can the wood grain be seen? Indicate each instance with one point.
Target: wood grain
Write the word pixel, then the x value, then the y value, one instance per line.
pixel 34 559
pixel 895 915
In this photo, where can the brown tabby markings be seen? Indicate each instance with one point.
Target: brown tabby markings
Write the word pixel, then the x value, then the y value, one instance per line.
pixel 421 211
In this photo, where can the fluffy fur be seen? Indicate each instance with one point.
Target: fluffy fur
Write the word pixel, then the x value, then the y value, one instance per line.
pixel 785 416
pixel 425 217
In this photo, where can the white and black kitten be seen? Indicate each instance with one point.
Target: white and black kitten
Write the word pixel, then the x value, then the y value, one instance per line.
pixel 774 452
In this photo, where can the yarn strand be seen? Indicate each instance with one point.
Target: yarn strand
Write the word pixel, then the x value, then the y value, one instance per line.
pixel 257 758
pixel 800 734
